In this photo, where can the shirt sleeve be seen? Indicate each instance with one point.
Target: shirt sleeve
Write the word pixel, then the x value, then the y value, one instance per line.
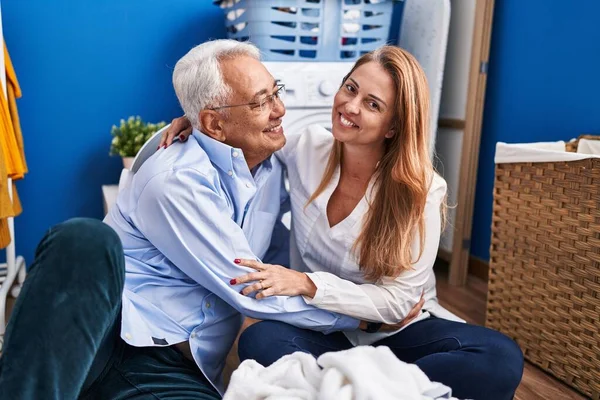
pixel 390 300
pixel 185 218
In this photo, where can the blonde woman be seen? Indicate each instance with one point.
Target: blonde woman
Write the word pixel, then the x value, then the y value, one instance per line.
pixel 367 211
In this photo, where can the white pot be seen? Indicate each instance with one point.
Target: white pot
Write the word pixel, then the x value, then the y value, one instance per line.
pixel 127 162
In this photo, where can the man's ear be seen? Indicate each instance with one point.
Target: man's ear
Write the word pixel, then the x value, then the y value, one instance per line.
pixel 212 124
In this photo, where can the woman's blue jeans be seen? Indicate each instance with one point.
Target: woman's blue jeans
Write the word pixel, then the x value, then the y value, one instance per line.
pixel 476 362
pixel 62 340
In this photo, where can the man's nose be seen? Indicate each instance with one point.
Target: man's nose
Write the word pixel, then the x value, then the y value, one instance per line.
pixel 278 110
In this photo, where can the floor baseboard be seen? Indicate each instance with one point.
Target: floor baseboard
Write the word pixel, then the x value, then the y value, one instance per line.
pixel 479 268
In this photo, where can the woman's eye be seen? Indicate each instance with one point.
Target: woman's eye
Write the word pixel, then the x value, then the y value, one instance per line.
pixel 350 88
pixel 373 105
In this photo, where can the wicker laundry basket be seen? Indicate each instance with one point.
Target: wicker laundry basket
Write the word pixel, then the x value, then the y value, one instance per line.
pixel 544 281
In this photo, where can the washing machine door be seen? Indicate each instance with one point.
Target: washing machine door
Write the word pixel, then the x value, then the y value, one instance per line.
pixel 296 121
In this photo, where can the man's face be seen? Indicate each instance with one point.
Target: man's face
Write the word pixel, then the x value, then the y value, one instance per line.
pixel 255 130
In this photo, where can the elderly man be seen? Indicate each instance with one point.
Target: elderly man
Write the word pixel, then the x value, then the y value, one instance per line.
pixel 160 322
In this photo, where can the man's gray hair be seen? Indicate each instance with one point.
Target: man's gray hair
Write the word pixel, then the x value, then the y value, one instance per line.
pixel 197 77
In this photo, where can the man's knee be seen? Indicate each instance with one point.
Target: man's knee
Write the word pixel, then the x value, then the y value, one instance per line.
pixel 86 234
pixel 84 249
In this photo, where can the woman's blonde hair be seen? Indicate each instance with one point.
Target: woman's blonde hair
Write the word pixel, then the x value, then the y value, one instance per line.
pixel 403 176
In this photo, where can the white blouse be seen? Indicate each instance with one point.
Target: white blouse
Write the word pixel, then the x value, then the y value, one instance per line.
pixel 325 253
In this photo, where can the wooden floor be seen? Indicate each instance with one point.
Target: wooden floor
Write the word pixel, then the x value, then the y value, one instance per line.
pixel 468 302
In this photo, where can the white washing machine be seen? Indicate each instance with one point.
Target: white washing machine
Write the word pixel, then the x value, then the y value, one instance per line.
pixel 309 91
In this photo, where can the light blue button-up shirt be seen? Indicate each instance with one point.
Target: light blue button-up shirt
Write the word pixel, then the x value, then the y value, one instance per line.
pixel 188 212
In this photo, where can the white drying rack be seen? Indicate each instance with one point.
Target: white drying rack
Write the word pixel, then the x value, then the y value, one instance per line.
pixel 11 271
pixel 14 268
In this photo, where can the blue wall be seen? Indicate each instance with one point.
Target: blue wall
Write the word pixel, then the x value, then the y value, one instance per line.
pixel 82 66
pixel 543 85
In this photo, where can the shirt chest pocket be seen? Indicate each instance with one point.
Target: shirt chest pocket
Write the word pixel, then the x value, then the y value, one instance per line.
pixel 258 229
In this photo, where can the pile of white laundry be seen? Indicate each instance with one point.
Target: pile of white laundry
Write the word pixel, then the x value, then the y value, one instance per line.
pixel 361 373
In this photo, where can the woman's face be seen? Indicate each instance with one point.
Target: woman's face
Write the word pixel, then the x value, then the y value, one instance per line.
pixel 363 107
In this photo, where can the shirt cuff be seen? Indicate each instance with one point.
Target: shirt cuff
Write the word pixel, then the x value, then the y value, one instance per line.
pixel 346 323
pixel 315 301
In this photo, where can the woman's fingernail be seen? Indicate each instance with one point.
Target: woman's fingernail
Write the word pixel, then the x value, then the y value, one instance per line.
pixel 237 261
pixel 232 282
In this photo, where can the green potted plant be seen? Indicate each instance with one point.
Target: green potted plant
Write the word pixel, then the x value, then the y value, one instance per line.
pixel 130 136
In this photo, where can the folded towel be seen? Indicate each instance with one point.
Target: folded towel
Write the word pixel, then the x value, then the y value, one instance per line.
pixel 586 146
pixel 537 152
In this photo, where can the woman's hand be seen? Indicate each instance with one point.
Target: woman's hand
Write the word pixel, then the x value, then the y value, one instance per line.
pixel 414 313
pixel 179 127
pixel 274 280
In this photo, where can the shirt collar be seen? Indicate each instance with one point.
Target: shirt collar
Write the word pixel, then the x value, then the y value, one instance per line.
pixel 267 163
pixel 221 154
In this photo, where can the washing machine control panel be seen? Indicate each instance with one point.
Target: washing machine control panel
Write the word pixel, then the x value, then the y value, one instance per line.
pixel 326 88
pixel 309 85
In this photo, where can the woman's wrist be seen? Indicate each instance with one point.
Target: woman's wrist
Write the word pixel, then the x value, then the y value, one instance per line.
pixel 309 287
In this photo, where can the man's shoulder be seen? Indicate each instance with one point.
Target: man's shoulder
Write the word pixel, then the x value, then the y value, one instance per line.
pixel 179 156
pixel 168 165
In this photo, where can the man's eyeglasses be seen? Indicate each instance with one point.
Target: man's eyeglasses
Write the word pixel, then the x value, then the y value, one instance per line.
pixel 264 104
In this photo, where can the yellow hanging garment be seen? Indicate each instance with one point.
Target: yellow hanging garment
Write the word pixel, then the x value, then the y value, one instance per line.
pixel 12 154
pixel 13 93
pixel 6 206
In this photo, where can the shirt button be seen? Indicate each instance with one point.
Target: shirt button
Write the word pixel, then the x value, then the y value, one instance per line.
pixel 229 173
pixel 193 335
pixel 248 185
pixel 207 305
pixel 235 154
pixel 128 336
